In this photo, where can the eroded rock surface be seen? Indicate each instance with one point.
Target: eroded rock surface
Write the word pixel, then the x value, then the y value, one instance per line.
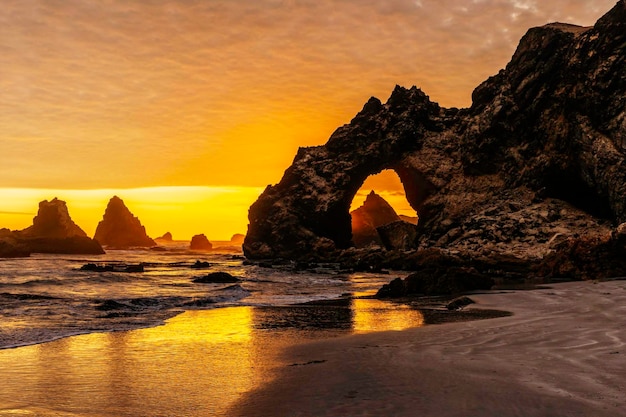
pixel 120 229
pixel 536 161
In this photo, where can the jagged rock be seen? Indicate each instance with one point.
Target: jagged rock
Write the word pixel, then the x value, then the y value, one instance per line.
pixel 200 242
pixel 120 229
pixel 374 212
pixel 53 220
pixel 53 231
pixel 167 237
pixel 398 235
pixel 536 160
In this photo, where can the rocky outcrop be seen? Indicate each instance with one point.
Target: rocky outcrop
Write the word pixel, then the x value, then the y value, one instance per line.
pixel 53 231
pixel 538 159
pixel 120 229
pixel 200 242
pixel 167 237
pixel 375 212
pixel 398 235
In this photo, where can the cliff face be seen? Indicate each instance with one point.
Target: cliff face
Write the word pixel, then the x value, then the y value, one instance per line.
pixel 120 229
pixel 537 159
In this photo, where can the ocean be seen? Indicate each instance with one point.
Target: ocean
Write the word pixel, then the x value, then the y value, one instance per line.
pixel 154 343
pixel 46 297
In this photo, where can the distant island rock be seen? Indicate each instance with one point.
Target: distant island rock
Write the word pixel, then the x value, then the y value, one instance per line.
pixel 120 229
pixel 53 231
pixel 200 242
pixel 374 212
pixel 531 175
pixel 237 239
pixel 167 237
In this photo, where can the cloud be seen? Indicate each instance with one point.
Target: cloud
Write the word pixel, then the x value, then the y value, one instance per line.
pixel 145 93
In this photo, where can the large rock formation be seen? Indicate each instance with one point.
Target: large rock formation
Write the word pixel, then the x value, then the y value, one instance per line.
pixel 53 231
pixel 537 159
pixel 374 212
pixel 120 229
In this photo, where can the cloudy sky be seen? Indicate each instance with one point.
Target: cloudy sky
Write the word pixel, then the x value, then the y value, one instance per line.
pixel 117 94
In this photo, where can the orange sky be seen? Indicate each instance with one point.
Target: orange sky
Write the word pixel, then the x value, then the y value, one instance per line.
pixel 117 95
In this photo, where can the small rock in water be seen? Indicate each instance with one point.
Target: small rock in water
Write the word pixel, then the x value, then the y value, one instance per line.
pixel 201 265
pixel 459 303
pixel 216 278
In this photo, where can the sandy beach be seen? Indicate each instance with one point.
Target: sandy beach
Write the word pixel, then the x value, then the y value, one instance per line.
pixel 561 353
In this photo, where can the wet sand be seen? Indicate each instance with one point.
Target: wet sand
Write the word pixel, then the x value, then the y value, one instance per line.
pixel 562 353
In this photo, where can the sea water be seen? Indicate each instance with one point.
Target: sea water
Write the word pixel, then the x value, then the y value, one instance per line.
pixel 155 343
pixel 45 297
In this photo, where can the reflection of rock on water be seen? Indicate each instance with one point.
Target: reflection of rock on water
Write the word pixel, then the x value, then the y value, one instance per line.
pixel 344 315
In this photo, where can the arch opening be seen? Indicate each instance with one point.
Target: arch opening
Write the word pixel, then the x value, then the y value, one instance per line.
pixel 381 214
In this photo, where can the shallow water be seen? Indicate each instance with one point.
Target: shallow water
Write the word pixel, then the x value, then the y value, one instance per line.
pixel 218 342
pixel 46 297
pixel 198 364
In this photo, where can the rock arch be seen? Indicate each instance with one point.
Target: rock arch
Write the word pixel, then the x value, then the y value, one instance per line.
pixel 308 211
pixel 488 176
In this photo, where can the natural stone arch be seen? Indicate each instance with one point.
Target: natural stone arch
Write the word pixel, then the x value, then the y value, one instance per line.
pixel 308 211
pixel 542 139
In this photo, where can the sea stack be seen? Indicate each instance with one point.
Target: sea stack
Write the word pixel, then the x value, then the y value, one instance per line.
pixel 120 229
pixel 374 212
pixel 200 242
pixel 54 231
pixel 53 220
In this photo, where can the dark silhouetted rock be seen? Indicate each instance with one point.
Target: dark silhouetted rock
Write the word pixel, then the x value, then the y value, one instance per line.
pixel 374 212
pixel 53 221
pixel 120 229
pixel 200 242
pixel 167 237
pixel 10 248
pixel 53 231
pixel 459 303
pixel 535 161
pixel 216 278
pixel 112 267
pixel 201 265
pixel 398 235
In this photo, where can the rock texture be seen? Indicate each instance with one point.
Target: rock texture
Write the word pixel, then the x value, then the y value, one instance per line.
pixel 534 164
pixel 200 242
pixel 374 212
pixel 53 231
pixel 120 229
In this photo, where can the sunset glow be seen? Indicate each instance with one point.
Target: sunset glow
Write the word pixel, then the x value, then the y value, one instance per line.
pixel 188 109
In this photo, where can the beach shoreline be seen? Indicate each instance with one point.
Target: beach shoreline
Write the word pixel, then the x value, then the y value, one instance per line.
pixel 560 353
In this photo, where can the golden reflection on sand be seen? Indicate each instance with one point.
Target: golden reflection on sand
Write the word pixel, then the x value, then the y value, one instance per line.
pixel 198 364
pixel 371 315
